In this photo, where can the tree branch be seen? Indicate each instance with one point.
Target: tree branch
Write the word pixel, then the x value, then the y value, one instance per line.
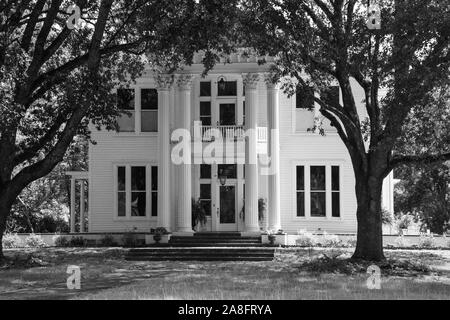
pixel 409 159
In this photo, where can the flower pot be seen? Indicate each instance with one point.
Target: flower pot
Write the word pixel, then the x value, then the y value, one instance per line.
pixel 272 239
pixel 157 238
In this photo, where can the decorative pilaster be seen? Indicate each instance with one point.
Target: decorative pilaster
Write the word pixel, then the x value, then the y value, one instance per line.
pixel 250 81
pixel 273 116
pixel 164 83
pixel 184 86
pixel 82 206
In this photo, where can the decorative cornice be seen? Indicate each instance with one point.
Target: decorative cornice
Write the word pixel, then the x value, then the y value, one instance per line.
pixel 184 81
pixel 271 80
pixel 164 81
pixel 250 80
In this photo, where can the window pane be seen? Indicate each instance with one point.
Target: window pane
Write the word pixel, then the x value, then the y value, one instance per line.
pixel 149 121
pixel 138 178
pixel 304 98
pixel 154 178
pixel 121 196
pixel 318 204
pixel 205 88
pixel 205 171
pixel 126 122
pixel 121 178
pixel 149 99
pixel 138 204
pixel 300 204
pixel 227 114
pixel 154 204
pixel 227 88
pixel 205 108
pixel 206 121
pixel 334 178
pixel 205 191
pixel 300 178
pixel 317 177
pixel 331 95
pixel 229 170
pixel 125 99
pixel 335 204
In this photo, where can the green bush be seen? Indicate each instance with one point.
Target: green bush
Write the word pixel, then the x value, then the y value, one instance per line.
pixel 107 241
pixel 129 239
pixel 306 239
pixel 35 241
pixel 78 242
pixel 61 242
pixel 12 240
pixel 401 242
pixel 427 242
pixel 330 240
pixel 350 242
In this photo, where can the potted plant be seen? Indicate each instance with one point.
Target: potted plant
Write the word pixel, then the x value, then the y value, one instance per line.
pixel 198 213
pixel 261 210
pixel 158 233
pixel 271 237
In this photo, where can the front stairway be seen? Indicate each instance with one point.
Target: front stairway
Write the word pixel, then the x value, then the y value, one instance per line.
pixel 206 246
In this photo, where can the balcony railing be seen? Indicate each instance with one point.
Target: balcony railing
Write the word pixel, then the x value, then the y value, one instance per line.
pixel 228 133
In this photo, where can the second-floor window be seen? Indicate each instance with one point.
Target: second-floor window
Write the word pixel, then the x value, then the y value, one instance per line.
pixel 304 98
pixel 148 115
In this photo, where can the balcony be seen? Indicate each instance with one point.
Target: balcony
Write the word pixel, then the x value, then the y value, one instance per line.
pixel 228 133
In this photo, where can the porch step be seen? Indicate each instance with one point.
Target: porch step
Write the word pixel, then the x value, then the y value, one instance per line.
pixel 200 254
pixel 216 239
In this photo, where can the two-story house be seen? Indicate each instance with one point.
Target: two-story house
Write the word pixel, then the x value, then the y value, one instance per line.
pixel 237 120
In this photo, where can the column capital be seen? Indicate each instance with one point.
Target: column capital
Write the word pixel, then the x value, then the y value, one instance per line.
pixel 250 80
pixel 184 81
pixel 164 81
pixel 272 81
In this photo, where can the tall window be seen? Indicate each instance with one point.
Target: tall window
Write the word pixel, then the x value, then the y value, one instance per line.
pixel 315 185
pixel 149 110
pixel 125 102
pixel 137 191
pixel 205 187
pixel 318 191
pixel 300 191
pixel 335 192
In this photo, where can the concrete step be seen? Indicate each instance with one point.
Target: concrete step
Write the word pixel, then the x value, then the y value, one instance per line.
pixel 201 240
pixel 216 244
pixel 217 234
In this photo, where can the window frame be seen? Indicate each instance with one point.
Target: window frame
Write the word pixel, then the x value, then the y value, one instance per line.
pixel 328 164
pixel 128 192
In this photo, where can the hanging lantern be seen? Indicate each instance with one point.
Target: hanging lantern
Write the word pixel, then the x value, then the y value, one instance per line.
pixel 222 177
pixel 221 82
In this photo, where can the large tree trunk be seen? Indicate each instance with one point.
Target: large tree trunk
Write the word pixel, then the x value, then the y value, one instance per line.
pixel 369 244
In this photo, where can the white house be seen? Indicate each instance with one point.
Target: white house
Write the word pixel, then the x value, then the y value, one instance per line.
pixel 136 182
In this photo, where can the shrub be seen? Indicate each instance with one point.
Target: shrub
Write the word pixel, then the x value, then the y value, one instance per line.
pixel 61 242
pixel 350 242
pixel 330 240
pixel 107 241
pixel 77 242
pixel 427 242
pixel 35 241
pixel 401 242
pixel 129 239
pixel 306 239
pixel 12 240
pixel 404 221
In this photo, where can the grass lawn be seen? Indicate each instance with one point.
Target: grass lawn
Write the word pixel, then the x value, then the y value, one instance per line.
pixel 294 274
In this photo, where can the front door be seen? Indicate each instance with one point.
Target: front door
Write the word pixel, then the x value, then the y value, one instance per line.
pixel 227 208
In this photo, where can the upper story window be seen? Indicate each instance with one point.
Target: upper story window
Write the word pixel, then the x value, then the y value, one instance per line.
pixel 330 95
pixel 205 88
pixel 149 110
pixel 125 101
pixel 304 98
pixel 226 88
pixel 147 118
pixel 205 113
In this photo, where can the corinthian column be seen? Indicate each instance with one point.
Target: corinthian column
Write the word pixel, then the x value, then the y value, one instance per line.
pixel 164 84
pixel 184 86
pixel 251 156
pixel 273 115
